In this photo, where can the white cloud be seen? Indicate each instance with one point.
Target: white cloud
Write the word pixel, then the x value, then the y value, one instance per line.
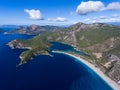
pixel 107 20
pixel 94 21
pixel 87 20
pixel 90 6
pixel 96 6
pixel 95 18
pixel 61 19
pixel 113 6
pixel 114 20
pixel 58 19
pixel 115 15
pixel 103 17
pixel 34 14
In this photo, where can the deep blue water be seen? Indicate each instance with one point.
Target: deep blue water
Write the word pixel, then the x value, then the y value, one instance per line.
pixel 60 72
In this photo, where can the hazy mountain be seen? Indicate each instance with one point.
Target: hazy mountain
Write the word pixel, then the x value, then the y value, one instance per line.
pixel 35 29
pixel 115 23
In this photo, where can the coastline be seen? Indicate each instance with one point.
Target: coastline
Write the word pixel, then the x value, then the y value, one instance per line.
pixel 110 82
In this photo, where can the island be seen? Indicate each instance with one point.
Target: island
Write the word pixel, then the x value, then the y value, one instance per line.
pixel 101 41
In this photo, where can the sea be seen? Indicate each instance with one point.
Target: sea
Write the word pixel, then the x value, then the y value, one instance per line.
pixel 59 72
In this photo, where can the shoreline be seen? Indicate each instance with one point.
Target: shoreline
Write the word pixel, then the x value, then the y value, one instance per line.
pixel 110 82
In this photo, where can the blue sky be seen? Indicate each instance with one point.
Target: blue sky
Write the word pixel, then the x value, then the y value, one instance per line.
pixel 58 12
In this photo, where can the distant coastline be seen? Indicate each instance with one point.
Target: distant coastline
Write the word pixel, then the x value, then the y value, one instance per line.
pixel 110 82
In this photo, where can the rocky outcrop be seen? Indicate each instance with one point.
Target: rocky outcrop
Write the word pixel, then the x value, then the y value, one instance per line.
pixel 113 67
pixel 114 72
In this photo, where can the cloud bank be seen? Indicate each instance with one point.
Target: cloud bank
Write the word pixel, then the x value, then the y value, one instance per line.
pixel 115 15
pixel 58 19
pixel 102 19
pixel 34 14
pixel 96 6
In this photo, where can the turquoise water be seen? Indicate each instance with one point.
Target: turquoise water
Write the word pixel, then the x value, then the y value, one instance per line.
pixel 60 72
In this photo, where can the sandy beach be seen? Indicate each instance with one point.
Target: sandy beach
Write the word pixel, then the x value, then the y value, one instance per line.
pixel 110 82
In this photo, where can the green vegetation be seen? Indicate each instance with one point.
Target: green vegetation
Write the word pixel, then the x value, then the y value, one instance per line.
pixel 27 55
pixel 95 36
pixel 37 46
